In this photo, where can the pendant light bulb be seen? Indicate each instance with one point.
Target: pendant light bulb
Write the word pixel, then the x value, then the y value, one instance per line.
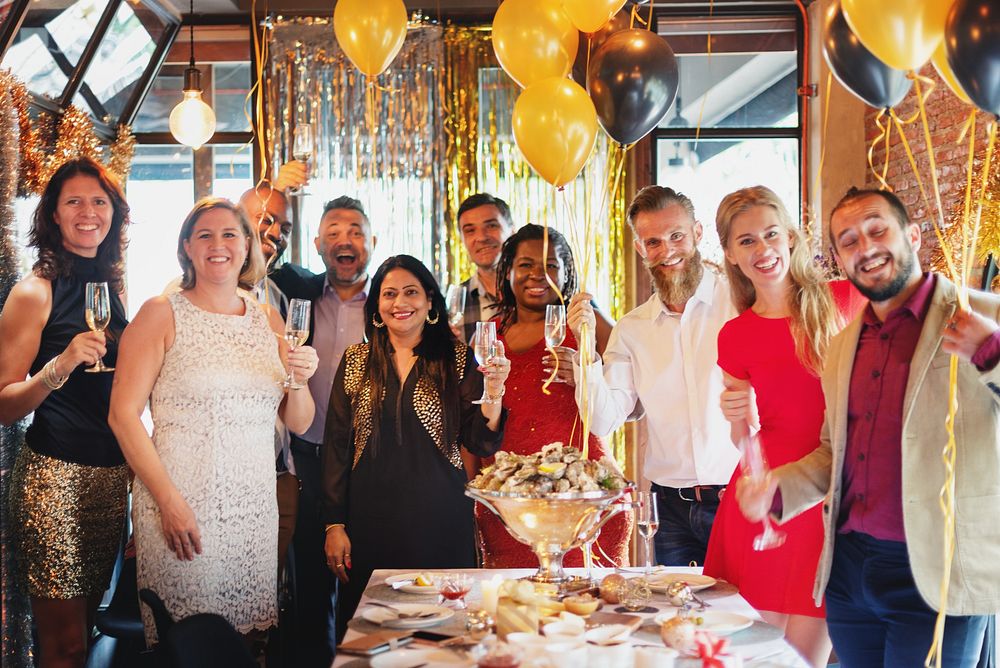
pixel 192 122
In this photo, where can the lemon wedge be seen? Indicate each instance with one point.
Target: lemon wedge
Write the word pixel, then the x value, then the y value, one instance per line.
pixel 424 580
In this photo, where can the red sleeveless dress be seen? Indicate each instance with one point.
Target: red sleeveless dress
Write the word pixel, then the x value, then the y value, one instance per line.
pixel 536 419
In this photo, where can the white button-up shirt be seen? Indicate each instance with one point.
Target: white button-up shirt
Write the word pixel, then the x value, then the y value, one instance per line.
pixel 668 363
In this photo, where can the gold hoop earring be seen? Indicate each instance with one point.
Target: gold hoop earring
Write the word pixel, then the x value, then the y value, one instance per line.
pixel 431 321
pixel 378 323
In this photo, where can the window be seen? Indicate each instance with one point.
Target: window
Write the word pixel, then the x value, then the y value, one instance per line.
pixel 742 93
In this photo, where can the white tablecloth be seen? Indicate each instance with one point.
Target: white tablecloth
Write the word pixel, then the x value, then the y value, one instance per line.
pixel 768 653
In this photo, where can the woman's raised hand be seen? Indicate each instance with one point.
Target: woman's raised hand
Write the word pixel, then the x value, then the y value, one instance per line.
pixel 303 362
pixel 85 348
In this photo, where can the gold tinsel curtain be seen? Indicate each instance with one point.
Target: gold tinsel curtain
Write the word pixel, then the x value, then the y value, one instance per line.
pixel 442 132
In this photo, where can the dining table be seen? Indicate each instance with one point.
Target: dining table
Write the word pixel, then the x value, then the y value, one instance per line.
pixel 760 645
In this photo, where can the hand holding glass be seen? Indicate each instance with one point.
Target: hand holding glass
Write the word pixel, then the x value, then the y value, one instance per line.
pixel 296 333
pixel 302 150
pixel 485 348
pixel 455 302
pixel 754 467
pixel 97 312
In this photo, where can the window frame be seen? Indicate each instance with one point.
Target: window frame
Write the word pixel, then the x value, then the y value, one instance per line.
pixel 737 133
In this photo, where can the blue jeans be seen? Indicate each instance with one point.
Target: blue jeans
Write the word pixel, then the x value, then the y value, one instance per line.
pixel 876 617
pixel 684 528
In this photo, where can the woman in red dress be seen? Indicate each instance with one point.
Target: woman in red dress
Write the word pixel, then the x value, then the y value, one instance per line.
pixel 776 346
pixel 536 418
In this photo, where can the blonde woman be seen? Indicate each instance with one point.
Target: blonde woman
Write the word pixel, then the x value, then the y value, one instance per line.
pixel 776 346
pixel 210 361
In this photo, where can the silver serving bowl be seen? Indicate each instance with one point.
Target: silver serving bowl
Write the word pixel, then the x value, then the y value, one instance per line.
pixel 552 524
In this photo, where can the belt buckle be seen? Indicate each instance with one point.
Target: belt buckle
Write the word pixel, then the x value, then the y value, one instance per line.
pixel 680 493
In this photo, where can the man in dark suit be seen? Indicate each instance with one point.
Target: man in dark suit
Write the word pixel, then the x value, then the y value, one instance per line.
pixel 345 243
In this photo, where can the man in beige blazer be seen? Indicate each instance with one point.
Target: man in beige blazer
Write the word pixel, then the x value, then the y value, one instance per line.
pixel 878 469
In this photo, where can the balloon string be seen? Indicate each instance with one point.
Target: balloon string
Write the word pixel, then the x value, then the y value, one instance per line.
pixel 826 120
pixel 883 132
pixel 987 164
pixel 708 51
pixel 968 258
pixel 548 279
pixel 583 344
pixel 917 79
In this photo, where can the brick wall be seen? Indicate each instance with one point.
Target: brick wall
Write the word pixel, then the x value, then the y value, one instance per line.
pixel 946 115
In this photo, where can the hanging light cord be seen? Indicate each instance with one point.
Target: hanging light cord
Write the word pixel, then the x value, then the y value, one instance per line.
pixel 191 19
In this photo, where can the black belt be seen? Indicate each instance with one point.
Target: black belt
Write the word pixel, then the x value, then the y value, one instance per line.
pixel 698 493
pixel 304 447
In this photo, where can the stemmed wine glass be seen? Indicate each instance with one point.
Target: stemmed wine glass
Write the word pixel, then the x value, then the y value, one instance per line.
pixel 296 333
pixel 485 348
pixel 302 150
pixel 97 312
pixel 455 302
pixel 555 325
pixel 754 467
pixel 648 522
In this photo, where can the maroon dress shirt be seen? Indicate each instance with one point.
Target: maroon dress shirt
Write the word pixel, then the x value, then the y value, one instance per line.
pixel 873 487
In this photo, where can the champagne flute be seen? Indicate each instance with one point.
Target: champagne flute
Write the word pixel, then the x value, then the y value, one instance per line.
pixel 97 312
pixel 485 347
pixel 754 467
pixel 302 150
pixel 555 325
pixel 648 522
pixel 296 333
pixel 456 305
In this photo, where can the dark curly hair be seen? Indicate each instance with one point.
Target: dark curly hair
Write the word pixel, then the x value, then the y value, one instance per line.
pixel 53 258
pixel 507 304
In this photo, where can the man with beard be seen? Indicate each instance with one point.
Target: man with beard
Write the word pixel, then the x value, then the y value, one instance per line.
pixel 878 468
pixel 485 223
pixel 345 243
pixel 662 356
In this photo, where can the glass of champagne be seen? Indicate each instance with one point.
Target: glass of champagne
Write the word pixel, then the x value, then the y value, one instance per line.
pixel 97 312
pixel 754 467
pixel 455 301
pixel 555 325
pixel 647 520
pixel 296 333
pixel 302 150
pixel 485 347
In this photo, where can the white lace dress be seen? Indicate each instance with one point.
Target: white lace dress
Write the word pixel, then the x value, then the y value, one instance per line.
pixel 214 405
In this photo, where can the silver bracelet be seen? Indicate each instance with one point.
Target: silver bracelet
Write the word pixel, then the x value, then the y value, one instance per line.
pixel 52 380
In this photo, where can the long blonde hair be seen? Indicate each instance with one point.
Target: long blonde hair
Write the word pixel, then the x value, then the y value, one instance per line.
pixel 815 318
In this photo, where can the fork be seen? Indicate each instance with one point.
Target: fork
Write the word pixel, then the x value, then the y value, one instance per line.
pixel 399 613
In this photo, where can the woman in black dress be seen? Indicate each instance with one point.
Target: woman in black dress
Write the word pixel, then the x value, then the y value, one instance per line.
pixel 400 412
pixel 69 482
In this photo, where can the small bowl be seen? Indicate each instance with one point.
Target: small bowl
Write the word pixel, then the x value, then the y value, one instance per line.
pixel 563 631
pixel 580 605
pixel 612 634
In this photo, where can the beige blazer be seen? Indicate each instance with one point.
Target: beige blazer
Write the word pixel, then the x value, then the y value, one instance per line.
pixel 975 573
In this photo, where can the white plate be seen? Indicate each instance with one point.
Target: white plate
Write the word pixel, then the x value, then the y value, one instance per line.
pixel 408 658
pixel 387 618
pixel 412 588
pixel 722 623
pixel 660 583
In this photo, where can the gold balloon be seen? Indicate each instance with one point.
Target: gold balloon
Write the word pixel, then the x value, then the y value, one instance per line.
pixel 370 32
pixel 534 40
pixel 589 15
pixel 901 33
pixel 555 126
pixel 940 60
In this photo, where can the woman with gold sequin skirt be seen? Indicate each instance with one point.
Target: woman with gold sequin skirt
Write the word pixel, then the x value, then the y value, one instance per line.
pixel 400 414
pixel 69 484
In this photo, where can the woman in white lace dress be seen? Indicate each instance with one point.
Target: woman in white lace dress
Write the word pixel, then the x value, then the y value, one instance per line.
pixel 209 360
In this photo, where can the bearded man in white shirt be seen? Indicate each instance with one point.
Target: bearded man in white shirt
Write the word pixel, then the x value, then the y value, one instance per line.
pixel 662 358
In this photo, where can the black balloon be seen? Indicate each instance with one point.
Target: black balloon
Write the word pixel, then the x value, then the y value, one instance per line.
pixel 860 72
pixel 633 81
pixel 972 40
pixel 618 22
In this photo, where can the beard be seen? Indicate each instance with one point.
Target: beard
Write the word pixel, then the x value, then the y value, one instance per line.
pixel 886 291
pixel 677 287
